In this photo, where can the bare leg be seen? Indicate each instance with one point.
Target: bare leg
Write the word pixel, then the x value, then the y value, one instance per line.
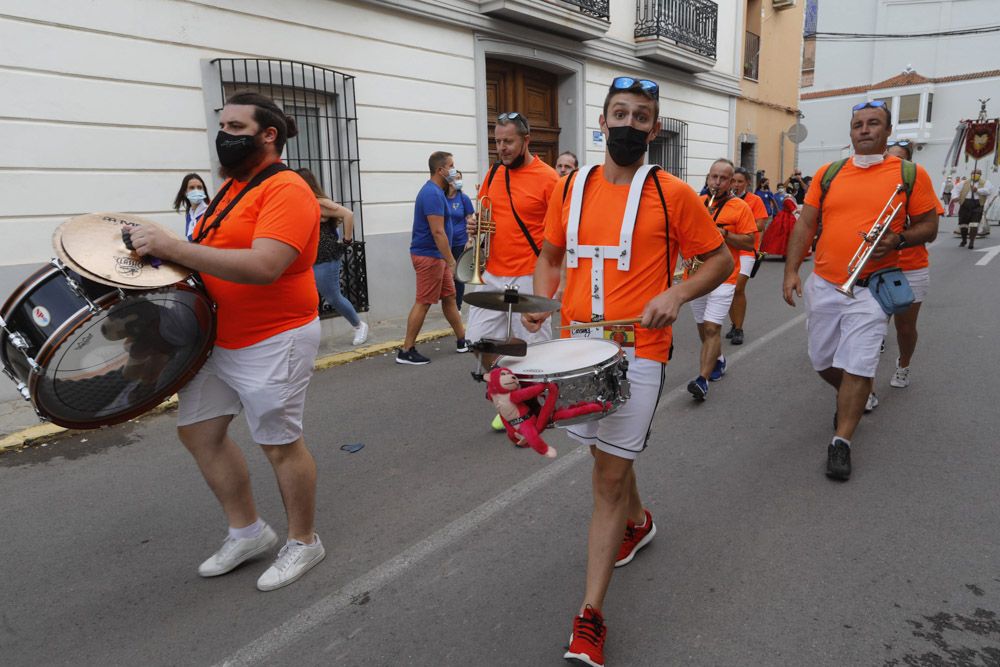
pixel 414 321
pixel 906 333
pixel 295 470
pixel 223 466
pixel 738 311
pixel 711 346
pixel 451 313
pixel 851 398
pixel 612 481
pixel 832 376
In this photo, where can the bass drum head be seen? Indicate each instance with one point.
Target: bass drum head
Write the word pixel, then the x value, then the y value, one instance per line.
pixel 106 368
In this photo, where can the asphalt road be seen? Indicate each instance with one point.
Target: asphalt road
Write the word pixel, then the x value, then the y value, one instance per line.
pixel 446 546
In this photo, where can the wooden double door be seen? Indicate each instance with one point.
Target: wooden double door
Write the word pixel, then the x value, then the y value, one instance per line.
pixel 529 91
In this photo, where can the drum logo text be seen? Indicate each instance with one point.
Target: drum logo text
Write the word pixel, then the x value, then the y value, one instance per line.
pixel 82 343
pixel 41 316
pixel 128 266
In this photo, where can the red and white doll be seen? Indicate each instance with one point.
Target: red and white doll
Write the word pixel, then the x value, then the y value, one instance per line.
pixel 511 403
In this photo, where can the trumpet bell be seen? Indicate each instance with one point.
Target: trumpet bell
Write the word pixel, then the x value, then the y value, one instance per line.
pixel 466 270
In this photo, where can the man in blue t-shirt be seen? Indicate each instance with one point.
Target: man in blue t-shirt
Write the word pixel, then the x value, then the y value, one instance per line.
pixel 460 209
pixel 430 252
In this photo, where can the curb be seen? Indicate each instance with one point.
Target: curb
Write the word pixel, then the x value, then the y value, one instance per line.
pixel 45 431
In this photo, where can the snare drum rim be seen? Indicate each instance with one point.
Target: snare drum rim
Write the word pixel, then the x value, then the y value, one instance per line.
pixel 60 336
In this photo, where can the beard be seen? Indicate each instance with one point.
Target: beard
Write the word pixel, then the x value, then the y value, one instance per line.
pixel 243 170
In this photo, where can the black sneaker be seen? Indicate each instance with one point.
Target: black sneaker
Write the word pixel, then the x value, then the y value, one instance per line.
pixel 732 330
pixel 738 337
pixel 698 388
pixel 461 345
pixel 411 357
pixel 838 460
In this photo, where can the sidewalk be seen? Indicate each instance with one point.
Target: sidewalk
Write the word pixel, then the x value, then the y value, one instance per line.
pixel 19 425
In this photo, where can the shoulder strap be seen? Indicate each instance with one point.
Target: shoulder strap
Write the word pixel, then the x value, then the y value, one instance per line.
pixel 828 176
pixel 493 172
pixel 909 172
pixel 520 223
pixel 261 176
pixel 718 211
pixel 569 178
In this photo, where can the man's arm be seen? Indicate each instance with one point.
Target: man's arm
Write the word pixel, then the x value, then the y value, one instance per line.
pixel 662 310
pixel 548 274
pixel 923 229
pixel 260 264
pixel 737 241
pixel 441 240
pixel 803 233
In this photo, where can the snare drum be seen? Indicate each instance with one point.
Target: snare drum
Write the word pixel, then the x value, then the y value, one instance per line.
pixel 89 355
pixel 584 370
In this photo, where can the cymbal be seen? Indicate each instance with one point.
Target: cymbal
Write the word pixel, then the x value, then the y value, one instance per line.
pixel 73 266
pixel 522 303
pixel 94 242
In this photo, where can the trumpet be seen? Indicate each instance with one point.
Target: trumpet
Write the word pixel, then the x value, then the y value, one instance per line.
pixel 868 243
pixel 472 262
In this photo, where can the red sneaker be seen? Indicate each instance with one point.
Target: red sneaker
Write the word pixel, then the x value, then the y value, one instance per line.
pixel 586 644
pixel 636 537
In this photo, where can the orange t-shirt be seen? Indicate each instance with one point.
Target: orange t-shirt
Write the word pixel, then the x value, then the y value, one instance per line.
pixel 759 211
pixel 737 217
pixel 917 257
pixel 282 208
pixel 852 201
pixel 626 293
pixel 530 185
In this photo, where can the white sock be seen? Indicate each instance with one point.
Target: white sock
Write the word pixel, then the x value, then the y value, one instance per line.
pixel 722 357
pixel 300 543
pixel 247 532
pixel 843 440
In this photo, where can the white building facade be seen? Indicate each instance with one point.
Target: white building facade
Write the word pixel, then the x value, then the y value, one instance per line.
pixel 930 82
pixel 108 103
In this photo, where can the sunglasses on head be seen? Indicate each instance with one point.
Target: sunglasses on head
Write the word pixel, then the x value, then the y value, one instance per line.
pixel 514 117
pixel 874 104
pixel 651 88
pixel 904 143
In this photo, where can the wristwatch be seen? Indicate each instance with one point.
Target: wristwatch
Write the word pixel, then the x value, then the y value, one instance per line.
pixel 902 242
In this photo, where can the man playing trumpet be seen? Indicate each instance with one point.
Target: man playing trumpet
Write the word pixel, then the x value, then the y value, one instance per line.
pixel 845 333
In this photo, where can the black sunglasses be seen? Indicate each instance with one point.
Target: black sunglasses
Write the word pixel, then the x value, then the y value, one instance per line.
pixel 651 88
pixel 514 117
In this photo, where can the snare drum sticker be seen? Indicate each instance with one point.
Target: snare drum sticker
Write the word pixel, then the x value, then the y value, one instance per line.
pixel 41 316
pixel 624 335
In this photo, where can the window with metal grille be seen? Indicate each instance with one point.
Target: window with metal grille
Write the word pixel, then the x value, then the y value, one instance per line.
pixel 323 104
pixel 669 149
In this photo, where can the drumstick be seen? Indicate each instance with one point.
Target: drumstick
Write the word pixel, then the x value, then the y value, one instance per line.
pixel 602 323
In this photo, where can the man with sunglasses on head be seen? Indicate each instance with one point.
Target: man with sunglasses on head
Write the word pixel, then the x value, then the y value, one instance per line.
pixel 519 185
pixel 635 220
pixel 845 333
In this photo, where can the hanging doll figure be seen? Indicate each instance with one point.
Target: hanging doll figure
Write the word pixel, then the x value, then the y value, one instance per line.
pixel 523 425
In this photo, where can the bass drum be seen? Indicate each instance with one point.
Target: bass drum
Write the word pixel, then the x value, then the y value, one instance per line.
pixel 90 355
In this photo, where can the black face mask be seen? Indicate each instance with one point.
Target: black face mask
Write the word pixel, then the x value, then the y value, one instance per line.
pixel 626 145
pixel 517 162
pixel 234 149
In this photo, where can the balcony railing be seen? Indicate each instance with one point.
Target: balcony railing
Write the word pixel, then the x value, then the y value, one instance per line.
pixel 751 56
pixel 691 23
pixel 599 9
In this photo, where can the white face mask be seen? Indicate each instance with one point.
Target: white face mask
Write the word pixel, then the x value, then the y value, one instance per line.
pixel 865 161
pixel 452 175
pixel 195 197
pixel 458 183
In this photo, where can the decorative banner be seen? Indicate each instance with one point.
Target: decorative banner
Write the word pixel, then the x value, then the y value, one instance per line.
pixel 981 139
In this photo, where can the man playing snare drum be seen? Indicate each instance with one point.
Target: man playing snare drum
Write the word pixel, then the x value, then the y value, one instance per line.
pixel 631 281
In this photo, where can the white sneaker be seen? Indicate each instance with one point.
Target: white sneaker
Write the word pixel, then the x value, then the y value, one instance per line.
pixel 360 334
pixel 901 378
pixel 235 551
pixel 292 562
pixel 871 403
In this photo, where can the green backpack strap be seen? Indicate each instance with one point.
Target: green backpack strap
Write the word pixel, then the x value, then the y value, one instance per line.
pixel 828 176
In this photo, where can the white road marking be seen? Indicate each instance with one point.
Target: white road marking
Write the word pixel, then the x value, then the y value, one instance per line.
pixel 258 651
pixel 990 253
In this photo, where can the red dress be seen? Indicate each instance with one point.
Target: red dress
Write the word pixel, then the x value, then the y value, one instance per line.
pixel 775 239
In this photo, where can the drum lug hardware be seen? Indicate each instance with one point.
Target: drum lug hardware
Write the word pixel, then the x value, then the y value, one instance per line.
pixel 22 345
pixel 75 286
pixel 21 387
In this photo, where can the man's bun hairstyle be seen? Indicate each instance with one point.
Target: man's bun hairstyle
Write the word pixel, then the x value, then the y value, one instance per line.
pixel 268 114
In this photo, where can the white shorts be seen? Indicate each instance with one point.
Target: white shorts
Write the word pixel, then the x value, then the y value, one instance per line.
pixel 714 306
pixel 844 333
pixel 624 433
pixel 920 283
pixel 493 323
pixel 746 264
pixel 268 378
